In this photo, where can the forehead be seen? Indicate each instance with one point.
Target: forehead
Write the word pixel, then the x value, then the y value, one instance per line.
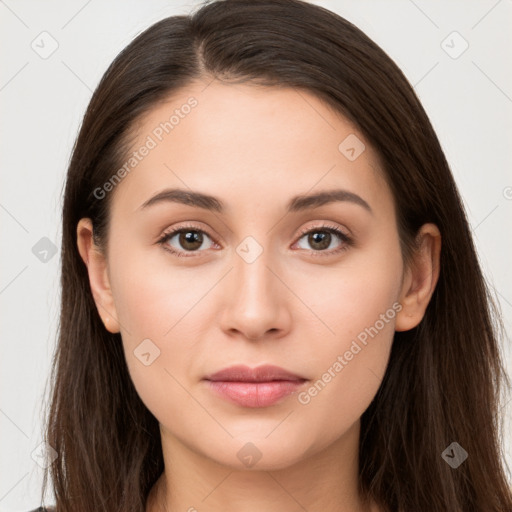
pixel 247 143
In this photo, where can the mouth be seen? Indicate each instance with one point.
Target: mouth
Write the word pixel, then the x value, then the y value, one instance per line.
pixel 254 387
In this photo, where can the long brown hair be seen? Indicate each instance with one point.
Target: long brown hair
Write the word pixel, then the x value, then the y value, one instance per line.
pixel 444 379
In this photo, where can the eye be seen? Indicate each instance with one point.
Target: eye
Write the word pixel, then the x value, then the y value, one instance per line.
pixel 187 239
pixel 191 239
pixel 321 238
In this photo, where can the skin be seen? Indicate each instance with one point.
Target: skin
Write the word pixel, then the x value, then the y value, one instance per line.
pixel 254 148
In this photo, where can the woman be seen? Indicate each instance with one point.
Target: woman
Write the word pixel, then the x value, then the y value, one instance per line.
pixel 270 294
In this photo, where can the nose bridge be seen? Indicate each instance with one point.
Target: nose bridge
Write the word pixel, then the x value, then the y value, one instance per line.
pixel 256 303
pixel 253 277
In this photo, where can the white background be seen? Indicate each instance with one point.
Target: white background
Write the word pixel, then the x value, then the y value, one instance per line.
pixel 468 99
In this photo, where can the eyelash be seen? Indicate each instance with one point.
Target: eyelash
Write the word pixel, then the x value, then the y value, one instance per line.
pixel 347 241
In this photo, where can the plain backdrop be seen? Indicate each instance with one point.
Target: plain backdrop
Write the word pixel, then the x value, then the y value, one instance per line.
pixel 456 54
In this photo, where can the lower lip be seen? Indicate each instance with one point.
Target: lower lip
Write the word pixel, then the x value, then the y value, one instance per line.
pixel 256 394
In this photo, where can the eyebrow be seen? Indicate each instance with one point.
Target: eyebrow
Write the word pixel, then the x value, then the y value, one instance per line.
pixel 296 204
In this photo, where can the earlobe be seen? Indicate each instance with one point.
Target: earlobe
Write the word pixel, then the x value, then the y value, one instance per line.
pixel 420 279
pixel 99 281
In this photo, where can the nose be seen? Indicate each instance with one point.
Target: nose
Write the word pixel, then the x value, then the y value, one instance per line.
pixel 257 300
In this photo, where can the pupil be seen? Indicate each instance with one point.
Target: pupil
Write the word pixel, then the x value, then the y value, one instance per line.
pixel 189 238
pixel 323 239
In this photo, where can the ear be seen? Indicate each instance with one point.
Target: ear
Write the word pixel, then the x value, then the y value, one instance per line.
pixel 96 264
pixel 420 278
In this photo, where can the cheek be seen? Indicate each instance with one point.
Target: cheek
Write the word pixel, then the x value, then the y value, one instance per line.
pixel 152 296
pixel 151 305
pixel 163 311
pixel 358 303
pixel 351 296
pixel 348 369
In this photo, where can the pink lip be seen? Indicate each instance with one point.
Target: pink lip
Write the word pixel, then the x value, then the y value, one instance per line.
pixel 258 387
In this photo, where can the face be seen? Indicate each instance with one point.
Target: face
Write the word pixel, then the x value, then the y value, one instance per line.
pixel 260 275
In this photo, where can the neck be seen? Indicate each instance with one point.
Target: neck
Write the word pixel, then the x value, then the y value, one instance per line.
pixel 327 481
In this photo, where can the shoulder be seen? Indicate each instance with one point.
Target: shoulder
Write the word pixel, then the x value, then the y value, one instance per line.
pixel 43 509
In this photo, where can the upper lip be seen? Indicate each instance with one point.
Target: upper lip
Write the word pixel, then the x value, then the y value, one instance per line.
pixel 242 373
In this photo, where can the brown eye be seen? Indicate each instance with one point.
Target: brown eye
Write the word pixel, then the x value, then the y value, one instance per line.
pixel 321 239
pixel 190 240
pixel 185 240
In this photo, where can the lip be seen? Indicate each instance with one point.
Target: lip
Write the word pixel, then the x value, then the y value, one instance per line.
pixel 254 387
pixel 264 373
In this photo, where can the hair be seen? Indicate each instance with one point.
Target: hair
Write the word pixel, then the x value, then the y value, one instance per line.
pixel 444 377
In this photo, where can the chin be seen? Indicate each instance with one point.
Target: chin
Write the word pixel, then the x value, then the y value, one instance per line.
pixel 252 453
